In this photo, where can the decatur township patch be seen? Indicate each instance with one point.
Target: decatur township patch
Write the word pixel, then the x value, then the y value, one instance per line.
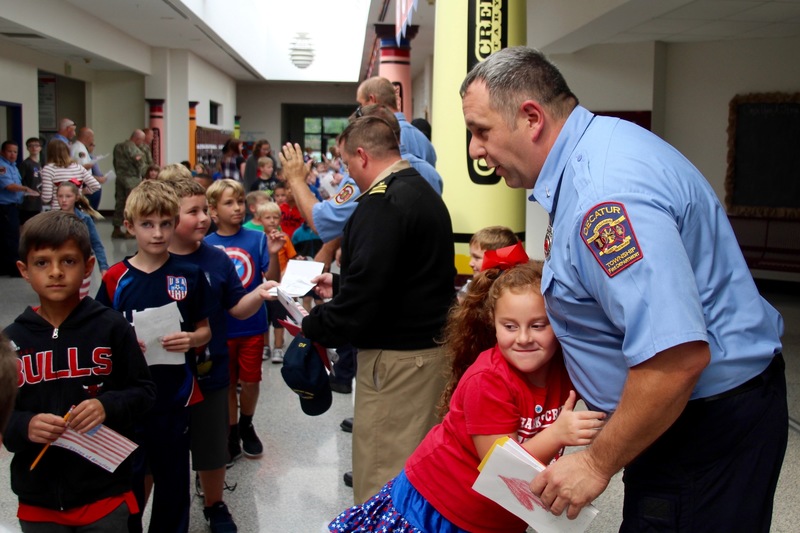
pixel 345 194
pixel 607 231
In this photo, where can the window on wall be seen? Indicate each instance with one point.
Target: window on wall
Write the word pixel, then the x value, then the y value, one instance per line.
pixel 214 112
pixel 320 134
pixel 315 127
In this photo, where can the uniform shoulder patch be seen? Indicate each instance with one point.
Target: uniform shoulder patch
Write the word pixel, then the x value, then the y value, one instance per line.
pixel 607 232
pixel 344 194
pixel 379 188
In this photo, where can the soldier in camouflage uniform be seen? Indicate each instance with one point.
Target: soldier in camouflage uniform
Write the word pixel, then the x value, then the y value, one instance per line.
pixel 147 150
pixel 128 166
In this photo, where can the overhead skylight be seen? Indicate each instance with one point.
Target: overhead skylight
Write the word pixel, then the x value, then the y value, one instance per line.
pixel 264 33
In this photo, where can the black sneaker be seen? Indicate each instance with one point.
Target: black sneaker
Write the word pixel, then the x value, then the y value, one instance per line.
pixel 219 518
pixel 251 444
pixel 234 448
pixel 347 425
pixel 348 479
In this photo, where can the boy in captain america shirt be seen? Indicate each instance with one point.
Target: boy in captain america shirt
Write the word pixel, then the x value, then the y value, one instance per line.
pixel 249 253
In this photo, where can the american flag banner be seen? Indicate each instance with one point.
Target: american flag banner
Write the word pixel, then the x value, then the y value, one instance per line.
pixel 103 446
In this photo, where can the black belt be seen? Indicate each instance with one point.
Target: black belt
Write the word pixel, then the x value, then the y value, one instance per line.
pixel 761 379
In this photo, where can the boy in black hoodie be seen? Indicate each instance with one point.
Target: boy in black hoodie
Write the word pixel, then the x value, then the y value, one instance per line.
pixel 71 352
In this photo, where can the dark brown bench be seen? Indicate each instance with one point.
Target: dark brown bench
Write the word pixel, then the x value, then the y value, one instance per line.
pixel 768 243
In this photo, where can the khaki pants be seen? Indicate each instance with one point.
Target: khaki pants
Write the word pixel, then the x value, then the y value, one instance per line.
pixel 395 406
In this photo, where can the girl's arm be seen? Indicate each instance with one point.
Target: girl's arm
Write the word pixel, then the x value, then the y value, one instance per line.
pixel 47 184
pixel 571 428
pixel 90 183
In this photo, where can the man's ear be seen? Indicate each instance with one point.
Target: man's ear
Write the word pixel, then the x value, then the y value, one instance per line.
pixel 362 156
pixel 534 116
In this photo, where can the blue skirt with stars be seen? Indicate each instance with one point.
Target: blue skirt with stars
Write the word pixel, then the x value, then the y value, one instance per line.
pixel 390 511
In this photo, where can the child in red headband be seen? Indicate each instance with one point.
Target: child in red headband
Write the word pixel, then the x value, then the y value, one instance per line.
pixel 507 379
pixel 488 238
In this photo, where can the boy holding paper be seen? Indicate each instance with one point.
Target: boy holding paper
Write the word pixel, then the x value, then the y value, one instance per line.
pixel 72 352
pixel 209 418
pixel 154 279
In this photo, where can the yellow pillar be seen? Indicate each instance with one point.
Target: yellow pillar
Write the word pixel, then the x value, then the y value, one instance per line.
pixel 467 32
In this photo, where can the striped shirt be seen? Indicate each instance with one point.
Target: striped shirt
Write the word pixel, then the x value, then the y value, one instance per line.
pixel 53 175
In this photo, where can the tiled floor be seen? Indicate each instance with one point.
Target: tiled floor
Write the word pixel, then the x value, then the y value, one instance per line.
pixel 297 485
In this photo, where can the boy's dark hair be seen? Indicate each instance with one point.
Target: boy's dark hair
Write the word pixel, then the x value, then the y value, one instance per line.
pixel 33 140
pixel 9 376
pixel 51 230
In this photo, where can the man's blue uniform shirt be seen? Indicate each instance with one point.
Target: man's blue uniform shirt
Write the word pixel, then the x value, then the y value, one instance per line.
pixel 643 259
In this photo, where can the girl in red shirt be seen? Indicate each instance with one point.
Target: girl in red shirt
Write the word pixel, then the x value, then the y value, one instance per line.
pixel 515 386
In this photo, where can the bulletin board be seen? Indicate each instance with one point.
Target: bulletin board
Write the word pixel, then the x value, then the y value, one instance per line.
pixel 763 175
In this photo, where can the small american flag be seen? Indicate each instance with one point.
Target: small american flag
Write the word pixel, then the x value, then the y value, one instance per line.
pixel 103 446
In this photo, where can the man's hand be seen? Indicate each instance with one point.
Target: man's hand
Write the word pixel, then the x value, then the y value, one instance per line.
pixel 655 393
pixel 570 484
pixel 324 284
pixel 294 169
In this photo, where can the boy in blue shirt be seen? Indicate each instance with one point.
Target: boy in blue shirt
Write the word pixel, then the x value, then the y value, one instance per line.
pixel 248 251
pixel 209 418
pixel 152 279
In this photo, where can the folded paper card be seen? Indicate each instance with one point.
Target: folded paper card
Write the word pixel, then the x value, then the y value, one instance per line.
pixel 506 474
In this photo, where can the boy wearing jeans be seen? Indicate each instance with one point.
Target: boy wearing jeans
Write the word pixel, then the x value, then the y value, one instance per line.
pixel 209 418
pixel 248 251
pixel 72 352
pixel 152 279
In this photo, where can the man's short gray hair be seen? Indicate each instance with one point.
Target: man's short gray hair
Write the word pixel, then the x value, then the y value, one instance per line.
pixel 513 75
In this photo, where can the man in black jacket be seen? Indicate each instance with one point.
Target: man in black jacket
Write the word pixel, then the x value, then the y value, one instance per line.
pixel 390 301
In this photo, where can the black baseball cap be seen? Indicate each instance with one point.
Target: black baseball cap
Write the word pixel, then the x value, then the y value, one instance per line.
pixel 304 371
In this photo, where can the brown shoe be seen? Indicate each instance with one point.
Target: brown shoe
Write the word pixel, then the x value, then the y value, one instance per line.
pixel 119 233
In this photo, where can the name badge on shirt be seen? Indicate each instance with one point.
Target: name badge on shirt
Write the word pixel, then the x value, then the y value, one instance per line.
pixel 607 232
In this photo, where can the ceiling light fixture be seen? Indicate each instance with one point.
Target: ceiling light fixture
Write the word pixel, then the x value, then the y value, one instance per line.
pixel 301 51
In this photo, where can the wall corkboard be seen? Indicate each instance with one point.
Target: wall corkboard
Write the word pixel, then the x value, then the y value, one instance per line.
pixel 763 178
